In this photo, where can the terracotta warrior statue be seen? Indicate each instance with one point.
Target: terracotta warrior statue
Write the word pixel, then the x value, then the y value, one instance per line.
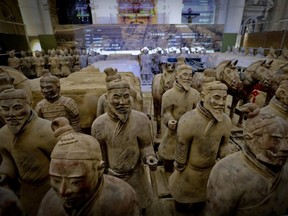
pixel 278 105
pixel 284 54
pixel 175 102
pixel 39 63
pixel 79 186
pixel 14 61
pixel 26 144
pixel 202 138
pixel 54 63
pixel 6 82
pixel 125 138
pixel 10 204
pixel 54 104
pixel 25 62
pixel 146 66
pixel 65 63
pixel 102 104
pixel 83 59
pixel 254 180
pixel 271 54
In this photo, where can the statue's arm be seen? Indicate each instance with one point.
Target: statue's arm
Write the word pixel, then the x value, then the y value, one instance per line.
pixel 102 102
pixel 104 152
pixel 145 140
pixel 38 110
pixel 226 147
pixel 184 140
pixel 74 114
pixel 8 171
pixel 167 111
pixel 98 134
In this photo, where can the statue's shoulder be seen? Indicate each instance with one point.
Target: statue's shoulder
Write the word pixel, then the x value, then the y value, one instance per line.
pixel 226 118
pixel 6 137
pixel 189 116
pixel 104 118
pixel 230 164
pixel 112 186
pixel 41 103
pixel 138 114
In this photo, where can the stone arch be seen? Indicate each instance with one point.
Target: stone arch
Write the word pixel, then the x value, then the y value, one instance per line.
pixel 249 24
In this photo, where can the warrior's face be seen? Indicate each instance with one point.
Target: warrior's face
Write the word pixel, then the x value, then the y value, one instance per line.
pixel 119 101
pixel 74 180
pixel 283 95
pixel 49 90
pixel 184 78
pixel 15 113
pixel 214 101
pixel 271 146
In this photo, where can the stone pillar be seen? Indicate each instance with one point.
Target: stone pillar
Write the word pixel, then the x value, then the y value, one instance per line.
pixel 221 11
pixel 234 16
pixel 104 12
pixel 232 24
pixel 36 17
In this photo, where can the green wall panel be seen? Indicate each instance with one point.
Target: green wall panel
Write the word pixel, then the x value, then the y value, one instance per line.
pixel 47 42
pixel 228 39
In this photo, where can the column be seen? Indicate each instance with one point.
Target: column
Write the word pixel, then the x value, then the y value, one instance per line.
pixel 232 24
pixel 36 17
pixel 234 16
pixel 221 11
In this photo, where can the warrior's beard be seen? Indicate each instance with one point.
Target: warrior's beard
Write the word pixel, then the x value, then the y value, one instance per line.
pixel 218 114
pixel 186 85
pixel 122 113
pixel 216 110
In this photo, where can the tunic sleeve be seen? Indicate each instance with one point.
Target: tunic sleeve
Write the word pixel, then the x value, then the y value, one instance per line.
pixel 167 108
pixel 97 132
pixel 38 109
pixel 225 147
pixel 184 139
pixel 145 138
pixel 101 104
pixel 74 114
pixel 8 166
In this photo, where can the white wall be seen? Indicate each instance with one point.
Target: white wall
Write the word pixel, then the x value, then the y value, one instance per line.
pixel 104 11
pixel 234 16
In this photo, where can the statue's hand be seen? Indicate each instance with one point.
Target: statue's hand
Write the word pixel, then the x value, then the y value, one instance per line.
pixel 172 124
pixel 178 166
pixel 152 162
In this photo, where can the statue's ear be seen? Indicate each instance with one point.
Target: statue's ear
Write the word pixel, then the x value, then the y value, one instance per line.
pixel 263 62
pixel 281 93
pixel 235 63
pixel 270 62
